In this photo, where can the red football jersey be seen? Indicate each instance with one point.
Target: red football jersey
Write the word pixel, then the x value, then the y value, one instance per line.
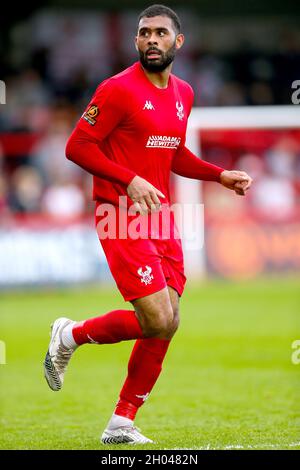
pixel 139 126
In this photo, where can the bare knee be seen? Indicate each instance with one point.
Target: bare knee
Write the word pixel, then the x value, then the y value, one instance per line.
pixel 158 315
pixel 158 325
pixel 163 324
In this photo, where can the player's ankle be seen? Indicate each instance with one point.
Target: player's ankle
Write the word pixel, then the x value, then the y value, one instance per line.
pixel 126 409
pixel 117 421
pixel 68 338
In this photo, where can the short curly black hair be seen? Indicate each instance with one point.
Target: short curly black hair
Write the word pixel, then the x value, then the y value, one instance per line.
pixel 162 10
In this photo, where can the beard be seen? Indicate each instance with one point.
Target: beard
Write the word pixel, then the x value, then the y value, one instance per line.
pixel 157 65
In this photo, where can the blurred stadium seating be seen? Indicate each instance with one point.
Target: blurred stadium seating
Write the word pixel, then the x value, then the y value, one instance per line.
pixel 53 64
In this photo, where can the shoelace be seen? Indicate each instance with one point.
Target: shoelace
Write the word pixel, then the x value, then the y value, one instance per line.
pixel 62 358
pixel 129 428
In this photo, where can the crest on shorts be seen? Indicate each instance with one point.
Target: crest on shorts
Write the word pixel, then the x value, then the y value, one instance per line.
pixel 146 276
pixel 91 114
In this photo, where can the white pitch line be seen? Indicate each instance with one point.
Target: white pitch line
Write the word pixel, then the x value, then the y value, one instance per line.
pixel 238 446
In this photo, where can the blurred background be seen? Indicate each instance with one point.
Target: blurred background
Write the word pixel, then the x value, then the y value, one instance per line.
pixel 55 53
pixel 232 373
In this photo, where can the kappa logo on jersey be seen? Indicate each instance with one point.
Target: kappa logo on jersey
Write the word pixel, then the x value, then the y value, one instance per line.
pixel 163 141
pixel 146 275
pixel 148 105
pixel 91 114
pixel 179 107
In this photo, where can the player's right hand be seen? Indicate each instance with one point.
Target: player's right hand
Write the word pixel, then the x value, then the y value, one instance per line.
pixel 144 195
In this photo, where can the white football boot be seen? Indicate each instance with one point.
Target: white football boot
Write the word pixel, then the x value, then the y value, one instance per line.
pixel 58 355
pixel 124 435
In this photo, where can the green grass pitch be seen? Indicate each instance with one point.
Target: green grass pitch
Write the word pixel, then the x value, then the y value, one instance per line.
pixel 228 379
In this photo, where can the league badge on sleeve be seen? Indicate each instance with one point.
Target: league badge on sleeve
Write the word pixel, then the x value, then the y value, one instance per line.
pixel 91 114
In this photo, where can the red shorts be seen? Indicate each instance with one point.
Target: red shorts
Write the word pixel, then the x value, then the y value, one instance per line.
pixel 141 266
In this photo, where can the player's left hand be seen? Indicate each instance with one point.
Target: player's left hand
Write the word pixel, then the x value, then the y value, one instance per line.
pixel 238 181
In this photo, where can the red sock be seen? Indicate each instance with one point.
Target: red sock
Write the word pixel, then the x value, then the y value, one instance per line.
pixel 144 367
pixel 115 326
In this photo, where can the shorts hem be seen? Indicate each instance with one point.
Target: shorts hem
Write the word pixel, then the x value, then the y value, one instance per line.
pixel 179 292
pixel 129 298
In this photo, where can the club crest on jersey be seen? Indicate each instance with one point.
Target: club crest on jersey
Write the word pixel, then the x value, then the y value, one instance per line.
pixel 179 107
pixel 91 114
pixel 145 275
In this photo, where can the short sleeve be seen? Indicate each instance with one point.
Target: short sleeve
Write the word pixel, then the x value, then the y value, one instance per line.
pixel 105 111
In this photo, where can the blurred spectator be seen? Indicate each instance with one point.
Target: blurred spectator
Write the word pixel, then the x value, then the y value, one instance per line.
pixel 3 195
pixel 63 200
pixel 48 156
pixel 282 158
pixel 260 93
pixel 274 196
pixel 232 94
pixel 28 101
pixel 251 164
pixel 208 80
pixel 26 190
pixel 55 61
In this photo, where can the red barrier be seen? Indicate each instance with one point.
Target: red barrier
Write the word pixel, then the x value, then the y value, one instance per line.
pixel 18 143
